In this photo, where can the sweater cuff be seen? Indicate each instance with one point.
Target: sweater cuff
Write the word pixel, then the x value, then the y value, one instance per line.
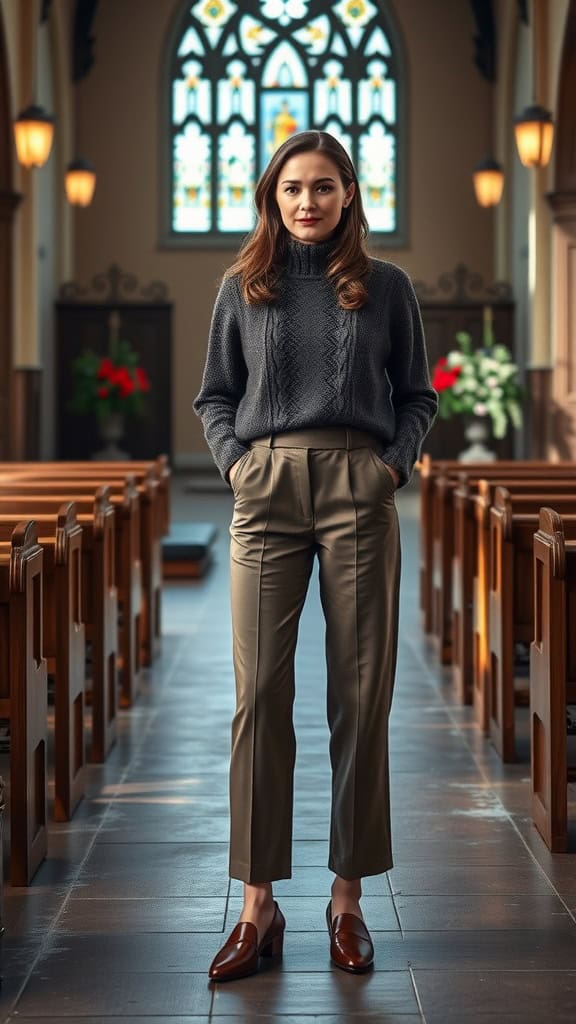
pixel 232 452
pixel 396 459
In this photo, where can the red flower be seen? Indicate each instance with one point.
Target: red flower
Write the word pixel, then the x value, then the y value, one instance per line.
pixel 142 379
pixel 102 392
pixel 127 385
pixel 106 369
pixel 443 378
pixel 118 375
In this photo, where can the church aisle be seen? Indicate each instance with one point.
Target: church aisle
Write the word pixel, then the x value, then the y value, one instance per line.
pixel 475 923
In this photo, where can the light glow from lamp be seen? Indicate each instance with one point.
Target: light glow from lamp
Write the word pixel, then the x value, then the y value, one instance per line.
pixel 33 133
pixel 488 180
pixel 80 182
pixel 534 131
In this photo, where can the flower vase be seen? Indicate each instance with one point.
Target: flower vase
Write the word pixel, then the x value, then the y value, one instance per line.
pixel 477 433
pixel 111 428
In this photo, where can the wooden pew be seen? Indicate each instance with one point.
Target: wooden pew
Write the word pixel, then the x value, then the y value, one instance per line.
pixel 60 537
pixel 513 521
pixel 24 697
pixel 126 499
pixel 465 566
pixel 552 676
pixel 153 510
pixel 430 469
pixel 158 467
pixel 99 600
pixel 443 535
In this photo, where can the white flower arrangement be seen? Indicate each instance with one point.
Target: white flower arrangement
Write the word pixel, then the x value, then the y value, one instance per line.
pixel 480 382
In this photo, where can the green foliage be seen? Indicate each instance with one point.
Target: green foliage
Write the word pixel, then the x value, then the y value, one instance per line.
pixel 479 382
pixel 113 384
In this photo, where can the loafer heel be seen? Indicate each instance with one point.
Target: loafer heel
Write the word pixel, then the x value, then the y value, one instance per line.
pixel 274 947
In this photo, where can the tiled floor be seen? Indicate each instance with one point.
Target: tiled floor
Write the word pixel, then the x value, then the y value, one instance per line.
pixel 476 922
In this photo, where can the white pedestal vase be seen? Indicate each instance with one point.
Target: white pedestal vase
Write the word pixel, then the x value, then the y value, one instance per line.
pixel 477 433
pixel 111 431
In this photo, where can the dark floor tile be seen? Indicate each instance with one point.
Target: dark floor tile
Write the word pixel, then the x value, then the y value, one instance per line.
pixel 458 950
pixel 310 853
pixel 275 993
pixel 180 828
pixel 440 913
pixel 409 824
pixel 154 952
pixel 113 916
pixel 441 879
pixel 9 992
pixel 381 1016
pixel 504 848
pixel 147 870
pixel 128 995
pixel 472 995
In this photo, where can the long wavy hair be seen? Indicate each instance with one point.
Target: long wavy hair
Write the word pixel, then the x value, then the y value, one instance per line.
pixel 263 254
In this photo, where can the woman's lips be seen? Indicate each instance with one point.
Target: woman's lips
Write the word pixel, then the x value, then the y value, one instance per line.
pixel 309 220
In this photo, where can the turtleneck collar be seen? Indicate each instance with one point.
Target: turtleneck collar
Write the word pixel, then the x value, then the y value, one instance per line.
pixel 307 260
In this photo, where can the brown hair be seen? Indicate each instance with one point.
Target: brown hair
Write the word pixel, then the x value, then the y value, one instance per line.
pixel 263 254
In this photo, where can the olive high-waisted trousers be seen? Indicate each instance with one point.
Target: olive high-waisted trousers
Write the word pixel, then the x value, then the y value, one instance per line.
pixel 317 491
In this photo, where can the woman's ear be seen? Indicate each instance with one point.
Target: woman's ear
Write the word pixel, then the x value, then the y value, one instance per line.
pixel 349 195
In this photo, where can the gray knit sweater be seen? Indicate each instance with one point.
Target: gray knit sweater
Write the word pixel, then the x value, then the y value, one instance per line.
pixel 302 361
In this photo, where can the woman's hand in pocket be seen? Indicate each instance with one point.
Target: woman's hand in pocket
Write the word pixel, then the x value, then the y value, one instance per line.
pixel 393 473
pixel 233 468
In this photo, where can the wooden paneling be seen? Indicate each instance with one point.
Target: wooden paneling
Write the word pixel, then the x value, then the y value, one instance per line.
pixel 84 323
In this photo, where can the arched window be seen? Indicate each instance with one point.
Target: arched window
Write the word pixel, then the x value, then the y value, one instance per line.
pixel 244 76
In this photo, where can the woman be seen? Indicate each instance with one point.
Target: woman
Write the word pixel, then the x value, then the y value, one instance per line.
pixel 315 400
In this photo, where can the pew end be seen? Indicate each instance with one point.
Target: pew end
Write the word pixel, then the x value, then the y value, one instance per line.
pixel 552 674
pixel 24 697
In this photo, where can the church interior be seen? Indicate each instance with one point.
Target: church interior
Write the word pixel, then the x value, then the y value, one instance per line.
pixel 132 136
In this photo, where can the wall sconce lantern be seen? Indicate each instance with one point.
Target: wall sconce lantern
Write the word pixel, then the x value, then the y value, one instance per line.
pixel 80 182
pixel 33 133
pixel 534 130
pixel 488 180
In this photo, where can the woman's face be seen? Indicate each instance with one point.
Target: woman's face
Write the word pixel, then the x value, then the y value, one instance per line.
pixel 310 196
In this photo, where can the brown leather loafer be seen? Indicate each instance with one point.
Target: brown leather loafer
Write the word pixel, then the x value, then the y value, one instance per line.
pixel 239 955
pixel 350 943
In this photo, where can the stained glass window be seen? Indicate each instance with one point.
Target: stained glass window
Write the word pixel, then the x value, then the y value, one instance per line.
pixel 247 75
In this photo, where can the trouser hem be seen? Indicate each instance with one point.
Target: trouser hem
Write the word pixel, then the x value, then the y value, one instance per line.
pixel 351 870
pixel 257 873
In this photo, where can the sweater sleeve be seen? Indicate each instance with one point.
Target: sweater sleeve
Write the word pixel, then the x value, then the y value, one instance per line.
pixel 413 397
pixel 223 381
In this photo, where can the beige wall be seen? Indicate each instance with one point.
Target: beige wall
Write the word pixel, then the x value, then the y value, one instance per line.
pixel 37 229
pixel 118 128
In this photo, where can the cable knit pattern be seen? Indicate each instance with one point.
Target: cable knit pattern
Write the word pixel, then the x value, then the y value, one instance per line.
pixel 302 361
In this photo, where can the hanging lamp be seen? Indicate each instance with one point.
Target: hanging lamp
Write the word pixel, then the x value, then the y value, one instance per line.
pixel 488 178
pixel 534 127
pixel 80 182
pixel 33 133
pixel 534 130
